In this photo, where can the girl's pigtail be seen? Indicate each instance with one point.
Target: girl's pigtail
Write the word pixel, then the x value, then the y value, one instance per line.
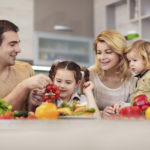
pixel 53 70
pixel 86 73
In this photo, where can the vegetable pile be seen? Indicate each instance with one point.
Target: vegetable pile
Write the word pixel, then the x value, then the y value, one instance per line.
pixel 139 109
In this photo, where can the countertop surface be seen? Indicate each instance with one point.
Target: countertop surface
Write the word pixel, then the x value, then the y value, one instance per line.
pixel 77 134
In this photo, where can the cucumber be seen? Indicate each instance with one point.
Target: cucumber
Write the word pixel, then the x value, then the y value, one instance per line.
pixel 20 114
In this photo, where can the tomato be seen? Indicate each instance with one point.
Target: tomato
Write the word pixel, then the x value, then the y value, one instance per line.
pixel 57 94
pixel 52 97
pixel 54 88
pixel 48 88
pixel 45 98
pixel 46 111
pixel 131 111
pixel 49 100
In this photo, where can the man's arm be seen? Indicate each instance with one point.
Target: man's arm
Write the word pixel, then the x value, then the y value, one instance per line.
pixel 18 95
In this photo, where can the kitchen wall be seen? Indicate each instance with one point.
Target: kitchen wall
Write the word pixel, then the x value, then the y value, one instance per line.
pixel 86 17
pixel 21 12
pixel 77 14
pixel 100 14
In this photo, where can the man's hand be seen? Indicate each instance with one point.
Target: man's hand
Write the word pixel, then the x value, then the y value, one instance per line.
pixel 38 81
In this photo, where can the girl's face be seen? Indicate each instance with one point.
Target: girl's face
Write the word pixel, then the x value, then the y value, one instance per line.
pixel 66 83
pixel 107 58
pixel 136 62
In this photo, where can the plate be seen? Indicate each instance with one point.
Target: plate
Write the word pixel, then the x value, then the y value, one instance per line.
pixel 77 117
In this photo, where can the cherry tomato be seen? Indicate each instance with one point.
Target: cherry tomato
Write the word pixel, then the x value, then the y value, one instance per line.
pixel 52 97
pixel 54 88
pixel 45 98
pixel 48 88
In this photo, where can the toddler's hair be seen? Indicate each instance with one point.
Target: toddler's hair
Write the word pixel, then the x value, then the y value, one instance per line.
pixel 142 48
pixel 71 66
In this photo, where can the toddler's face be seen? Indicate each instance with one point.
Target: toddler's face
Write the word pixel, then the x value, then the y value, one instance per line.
pixel 136 62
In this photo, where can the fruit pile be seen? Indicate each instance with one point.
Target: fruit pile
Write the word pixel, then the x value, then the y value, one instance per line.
pixel 51 93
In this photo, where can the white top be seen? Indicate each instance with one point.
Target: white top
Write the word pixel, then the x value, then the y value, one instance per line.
pixel 105 96
pixel 81 98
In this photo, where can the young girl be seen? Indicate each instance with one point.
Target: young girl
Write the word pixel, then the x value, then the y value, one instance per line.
pixel 67 76
pixel 138 56
pixel 113 83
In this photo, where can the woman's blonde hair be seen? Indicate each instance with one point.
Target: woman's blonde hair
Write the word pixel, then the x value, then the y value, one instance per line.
pixel 142 48
pixel 117 43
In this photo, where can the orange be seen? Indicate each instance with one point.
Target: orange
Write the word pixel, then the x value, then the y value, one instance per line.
pixel 147 113
pixel 46 111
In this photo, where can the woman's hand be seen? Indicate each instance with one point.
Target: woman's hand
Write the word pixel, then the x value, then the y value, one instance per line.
pixel 108 111
pixel 112 109
pixel 117 107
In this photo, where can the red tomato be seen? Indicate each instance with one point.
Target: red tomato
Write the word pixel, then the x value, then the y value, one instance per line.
pixel 52 97
pixel 131 111
pixel 48 88
pixel 45 98
pixel 49 100
pixel 54 88
pixel 57 94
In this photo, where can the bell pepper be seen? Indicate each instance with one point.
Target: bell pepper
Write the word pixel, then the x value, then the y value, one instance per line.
pixel 131 111
pixel 141 101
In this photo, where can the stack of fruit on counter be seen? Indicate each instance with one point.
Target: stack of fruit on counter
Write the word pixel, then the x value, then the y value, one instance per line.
pixel 139 109
pixel 49 110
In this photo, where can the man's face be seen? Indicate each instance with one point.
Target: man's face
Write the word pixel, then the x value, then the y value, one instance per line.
pixel 9 48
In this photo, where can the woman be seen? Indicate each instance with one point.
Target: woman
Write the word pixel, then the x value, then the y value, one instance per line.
pixel 113 83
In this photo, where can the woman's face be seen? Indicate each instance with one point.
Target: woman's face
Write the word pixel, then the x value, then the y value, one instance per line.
pixel 66 83
pixel 107 58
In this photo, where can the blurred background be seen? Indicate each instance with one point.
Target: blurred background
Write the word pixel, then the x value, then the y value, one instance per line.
pixel 65 29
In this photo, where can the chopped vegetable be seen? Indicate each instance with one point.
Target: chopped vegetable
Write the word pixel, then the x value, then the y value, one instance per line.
pixel 4 107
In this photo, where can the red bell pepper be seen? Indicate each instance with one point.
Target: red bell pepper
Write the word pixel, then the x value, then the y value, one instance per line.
pixel 141 101
pixel 130 111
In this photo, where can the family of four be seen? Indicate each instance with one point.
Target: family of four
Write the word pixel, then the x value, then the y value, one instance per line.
pixel 119 74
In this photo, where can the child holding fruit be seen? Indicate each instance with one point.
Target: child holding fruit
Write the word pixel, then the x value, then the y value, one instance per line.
pixel 67 75
pixel 138 57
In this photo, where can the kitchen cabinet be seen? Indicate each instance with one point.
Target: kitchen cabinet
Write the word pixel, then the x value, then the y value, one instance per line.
pixel 129 16
pixel 50 47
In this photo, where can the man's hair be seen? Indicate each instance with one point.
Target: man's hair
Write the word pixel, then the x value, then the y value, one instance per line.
pixel 5 26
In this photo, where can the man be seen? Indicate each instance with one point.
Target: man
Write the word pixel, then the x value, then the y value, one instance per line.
pixel 16 77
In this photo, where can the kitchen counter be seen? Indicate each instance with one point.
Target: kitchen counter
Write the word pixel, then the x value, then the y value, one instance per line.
pixel 79 134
